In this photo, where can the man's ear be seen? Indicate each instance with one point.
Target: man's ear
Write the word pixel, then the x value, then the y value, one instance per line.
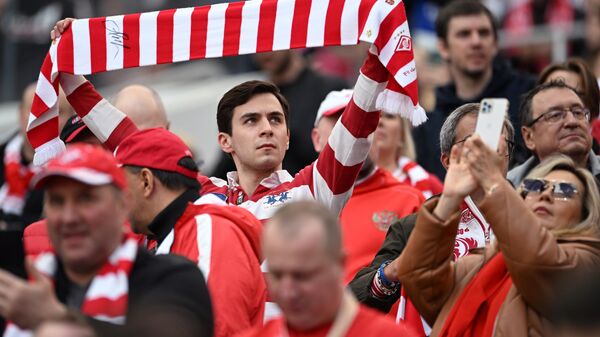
pixel 442 47
pixel 316 138
pixel 148 182
pixel 224 140
pixel 528 138
pixel 445 159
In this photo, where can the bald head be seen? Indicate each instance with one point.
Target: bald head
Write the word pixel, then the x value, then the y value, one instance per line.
pixel 143 106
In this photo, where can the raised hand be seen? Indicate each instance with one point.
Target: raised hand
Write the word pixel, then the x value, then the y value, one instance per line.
pixel 60 27
pixel 484 164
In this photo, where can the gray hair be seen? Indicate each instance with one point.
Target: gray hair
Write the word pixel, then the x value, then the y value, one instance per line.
pixel 590 199
pixel 448 131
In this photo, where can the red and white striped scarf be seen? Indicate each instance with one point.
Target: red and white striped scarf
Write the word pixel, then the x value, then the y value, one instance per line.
pixel 134 40
pixel 16 178
pixel 107 295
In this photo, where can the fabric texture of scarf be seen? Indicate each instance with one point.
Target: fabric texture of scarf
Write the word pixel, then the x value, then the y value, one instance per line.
pixel 16 178
pixel 107 295
pixel 124 41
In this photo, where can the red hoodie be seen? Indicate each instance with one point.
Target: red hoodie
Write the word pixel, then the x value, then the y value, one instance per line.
pixel 376 203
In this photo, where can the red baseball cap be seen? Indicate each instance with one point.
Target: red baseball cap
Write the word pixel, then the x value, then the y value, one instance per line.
pixel 86 163
pixel 155 148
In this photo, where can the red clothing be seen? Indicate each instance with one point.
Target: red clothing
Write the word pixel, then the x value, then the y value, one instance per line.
pixel 367 323
pixel 224 241
pixel 376 203
pixel 414 175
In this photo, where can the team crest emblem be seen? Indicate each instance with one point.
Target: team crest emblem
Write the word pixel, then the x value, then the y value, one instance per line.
pixel 277 198
pixel 384 219
pixel 405 43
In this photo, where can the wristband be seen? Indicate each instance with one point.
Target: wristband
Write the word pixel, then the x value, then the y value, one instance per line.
pixel 384 281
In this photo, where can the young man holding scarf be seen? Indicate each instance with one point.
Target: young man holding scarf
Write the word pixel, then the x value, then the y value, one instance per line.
pixel 97 270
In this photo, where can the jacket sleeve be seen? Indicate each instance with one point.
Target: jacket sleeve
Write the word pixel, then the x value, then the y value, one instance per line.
pixel 425 267
pixel 332 178
pixel 106 122
pixel 395 241
pixel 534 256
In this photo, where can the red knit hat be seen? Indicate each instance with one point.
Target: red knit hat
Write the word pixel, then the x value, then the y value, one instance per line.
pixel 86 163
pixel 157 149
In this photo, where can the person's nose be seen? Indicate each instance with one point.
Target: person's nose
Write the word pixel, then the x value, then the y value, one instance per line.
pixel 265 127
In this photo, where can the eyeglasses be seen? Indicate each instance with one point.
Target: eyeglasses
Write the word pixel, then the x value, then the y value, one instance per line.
pixel 509 144
pixel 560 190
pixel 556 115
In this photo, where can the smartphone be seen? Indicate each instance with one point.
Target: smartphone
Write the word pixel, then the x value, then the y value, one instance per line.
pixel 12 253
pixel 490 120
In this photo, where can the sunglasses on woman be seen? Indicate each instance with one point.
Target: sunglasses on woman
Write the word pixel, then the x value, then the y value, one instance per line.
pixel 561 190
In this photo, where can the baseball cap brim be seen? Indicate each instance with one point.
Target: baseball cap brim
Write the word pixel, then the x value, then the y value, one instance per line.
pixel 81 174
pixel 75 133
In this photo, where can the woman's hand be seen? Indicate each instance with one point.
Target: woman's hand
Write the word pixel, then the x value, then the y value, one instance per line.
pixel 60 27
pixel 484 164
pixel 458 184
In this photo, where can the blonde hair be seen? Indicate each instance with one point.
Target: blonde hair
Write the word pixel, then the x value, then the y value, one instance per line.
pixel 590 225
pixel 407 148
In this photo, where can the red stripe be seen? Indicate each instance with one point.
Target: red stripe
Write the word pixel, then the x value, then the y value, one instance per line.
pixel 359 122
pixel 185 242
pixel 300 24
pixel 394 19
pixel 339 178
pixel 84 98
pixel 65 52
pixel 164 36
pixel 374 70
pixel 266 26
pixel 233 23
pixel 198 34
pixel 105 306
pixel 131 36
pixel 333 22
pixel 98 44
pixel 363 14
pixel 40 134
pixel 38 107
pixel 122 131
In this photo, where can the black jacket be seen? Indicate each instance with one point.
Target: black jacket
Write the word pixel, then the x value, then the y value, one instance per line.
pixel 505 83
pixel 395 241
pixel 167 297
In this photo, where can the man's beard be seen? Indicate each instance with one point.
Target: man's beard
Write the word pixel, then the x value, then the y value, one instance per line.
pixel 473 74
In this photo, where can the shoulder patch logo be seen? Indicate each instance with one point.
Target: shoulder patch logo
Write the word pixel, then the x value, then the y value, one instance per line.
pixel 384 219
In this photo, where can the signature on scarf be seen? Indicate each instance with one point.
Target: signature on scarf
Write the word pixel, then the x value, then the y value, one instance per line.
pixel 116 37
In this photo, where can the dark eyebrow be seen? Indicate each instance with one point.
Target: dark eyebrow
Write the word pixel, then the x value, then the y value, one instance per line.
pixel 249 115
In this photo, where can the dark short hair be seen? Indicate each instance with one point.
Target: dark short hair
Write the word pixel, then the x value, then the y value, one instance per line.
pixel 172 180
pixel 241 94
pixel 590 93
pixel 526 103
pixel 462 8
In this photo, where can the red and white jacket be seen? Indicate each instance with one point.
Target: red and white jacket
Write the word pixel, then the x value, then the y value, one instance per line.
pixel 328 180
pixel 224 241
pixel 414 175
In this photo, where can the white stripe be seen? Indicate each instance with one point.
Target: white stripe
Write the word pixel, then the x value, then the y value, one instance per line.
pixel 46 263
pixel 114 320
pixel 82 61
pixel 272 310
pixel 401 310
pixel 315 35
pixel 48 115
pixel 54 59
pixel 282 33
pixel 110 286
pixel 127 251
pixel 12 330
pixel 417 174
pixel 13 205
pixel 215 30
pixel 148 38
pixel 349 23
pixel 386 53
pixel 182 31
pixel 114 42
pixel 204 239
pixel 103 119
pixel 70 82
pixel 407 74
pixel 249 27
pixel 45 91
pixel 379 12
pixel 165 245
pixel 325 196
pixel 348 150
pixel 366 91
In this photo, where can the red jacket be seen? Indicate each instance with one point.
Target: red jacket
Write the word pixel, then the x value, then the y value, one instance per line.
pixel 224 241
pixel 376 203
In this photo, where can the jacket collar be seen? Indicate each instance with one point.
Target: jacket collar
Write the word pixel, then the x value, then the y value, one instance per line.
pixel 165 221
pixel 275 179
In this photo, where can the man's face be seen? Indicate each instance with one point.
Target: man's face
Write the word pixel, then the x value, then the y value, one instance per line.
pixel 465 128
pixel 320 134
pixel 85 223
pixel 470 45
pixel 139 217
pixel 303 279
pixel 274 63
pixel 568 136
pixel 259 135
